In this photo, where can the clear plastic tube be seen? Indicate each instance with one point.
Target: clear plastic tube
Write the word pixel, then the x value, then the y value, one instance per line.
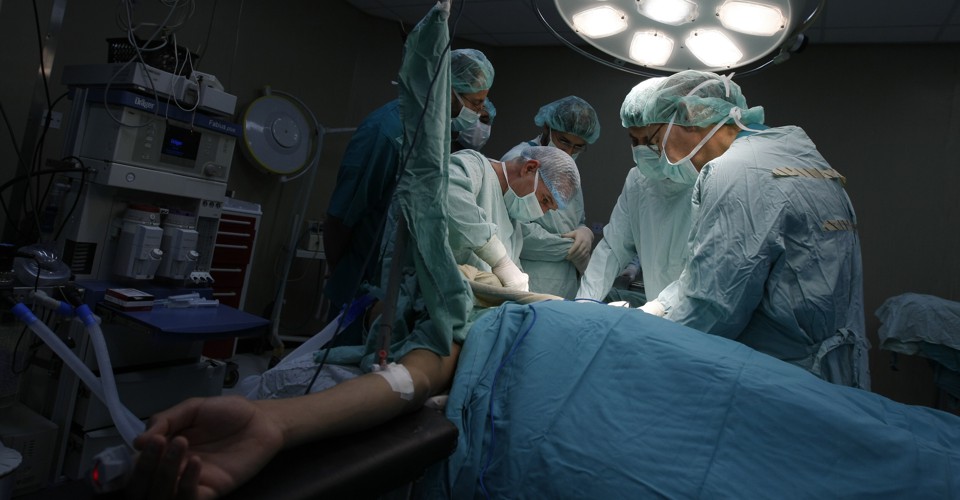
pixel 127 423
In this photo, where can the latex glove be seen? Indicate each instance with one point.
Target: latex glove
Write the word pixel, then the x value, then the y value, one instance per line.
pixel 582 244
pixel 510 275
pixel 655 308
pixel 619 303
pixel 495 254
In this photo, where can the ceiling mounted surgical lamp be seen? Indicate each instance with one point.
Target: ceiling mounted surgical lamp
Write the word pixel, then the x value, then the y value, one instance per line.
pixel 662 37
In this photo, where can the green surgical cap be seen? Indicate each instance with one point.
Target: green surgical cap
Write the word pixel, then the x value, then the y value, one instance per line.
pixel 491 109
pixel 715 99
pixel 557 170
pixel 570 115
pixel 470 71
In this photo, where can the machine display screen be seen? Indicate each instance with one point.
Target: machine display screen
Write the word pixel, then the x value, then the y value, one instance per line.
pixel 180 142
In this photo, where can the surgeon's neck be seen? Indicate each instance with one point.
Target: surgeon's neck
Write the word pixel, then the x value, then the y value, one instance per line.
pixel 500 168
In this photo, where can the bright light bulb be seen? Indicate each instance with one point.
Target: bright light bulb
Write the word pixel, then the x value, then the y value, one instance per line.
pixel 651 48
pixel 713 48
pixel 751 18
pixel 672 12
pixel 599 22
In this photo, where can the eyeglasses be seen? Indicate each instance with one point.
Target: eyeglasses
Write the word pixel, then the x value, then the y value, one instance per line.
pixel 566 143
pixel 474 104
pixel 655 147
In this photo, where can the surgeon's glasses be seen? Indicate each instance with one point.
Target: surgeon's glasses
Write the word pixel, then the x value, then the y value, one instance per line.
pixel 655 147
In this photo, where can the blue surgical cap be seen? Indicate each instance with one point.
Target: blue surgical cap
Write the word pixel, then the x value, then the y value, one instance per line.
pixel 570 115
pixel 470 71
pixel 557 170
pixel 491 109
pixel 689 98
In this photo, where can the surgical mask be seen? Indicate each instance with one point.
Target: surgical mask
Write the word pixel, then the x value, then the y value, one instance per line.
pixel 466 118
pixel 476 136
pixel 682 171
pixel 648 162
pixel 522 208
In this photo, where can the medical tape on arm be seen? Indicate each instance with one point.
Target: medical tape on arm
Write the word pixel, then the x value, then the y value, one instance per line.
pixel 399 379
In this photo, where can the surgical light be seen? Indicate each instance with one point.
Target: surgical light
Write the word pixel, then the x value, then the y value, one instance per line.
pixel 751 18
pixel 651 48
pixel 599 22
pixel 672 12
pixel 662 37
pixel 713 48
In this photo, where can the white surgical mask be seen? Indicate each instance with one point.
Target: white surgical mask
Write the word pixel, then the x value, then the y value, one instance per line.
pixel 522 208
pixel 465 119
pixel 476 136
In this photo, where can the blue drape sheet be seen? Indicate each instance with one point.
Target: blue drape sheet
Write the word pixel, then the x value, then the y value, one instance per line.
pixel 579 400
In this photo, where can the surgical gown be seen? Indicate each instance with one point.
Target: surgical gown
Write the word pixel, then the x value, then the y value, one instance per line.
pixel 361 197
pixel 774 259
pixel 544 256
pixel 651 219
pixel 476 211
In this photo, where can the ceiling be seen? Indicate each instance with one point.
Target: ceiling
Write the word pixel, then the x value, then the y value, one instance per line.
pixel 513 23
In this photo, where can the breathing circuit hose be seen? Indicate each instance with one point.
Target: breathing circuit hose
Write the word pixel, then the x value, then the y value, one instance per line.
pixel 104 388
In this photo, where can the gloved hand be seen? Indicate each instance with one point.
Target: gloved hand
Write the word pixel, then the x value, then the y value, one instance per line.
pixel 495 254
pixel 579 253
pixel 655 308
pixel 510 275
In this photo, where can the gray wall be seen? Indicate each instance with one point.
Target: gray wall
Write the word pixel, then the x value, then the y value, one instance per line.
pixel 887 117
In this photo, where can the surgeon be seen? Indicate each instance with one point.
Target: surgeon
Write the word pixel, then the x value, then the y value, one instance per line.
pixel 774 257
pixel 557 246
pixel 368 174
pixel 651 219
pixel 232 438
pixel 475 137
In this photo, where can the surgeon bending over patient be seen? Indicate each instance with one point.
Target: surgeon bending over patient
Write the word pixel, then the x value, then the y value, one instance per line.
pixel 774 256
pixel 206 447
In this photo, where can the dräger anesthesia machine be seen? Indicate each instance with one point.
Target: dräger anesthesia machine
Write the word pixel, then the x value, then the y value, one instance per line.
pixel 154 151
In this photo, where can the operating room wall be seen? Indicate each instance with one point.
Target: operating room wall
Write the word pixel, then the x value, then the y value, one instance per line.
pixel 885 116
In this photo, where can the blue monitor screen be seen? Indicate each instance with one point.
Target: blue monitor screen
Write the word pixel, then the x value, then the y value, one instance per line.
pixel 180 142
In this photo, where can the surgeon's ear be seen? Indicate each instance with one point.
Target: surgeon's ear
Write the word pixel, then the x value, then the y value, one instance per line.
pixel 530 166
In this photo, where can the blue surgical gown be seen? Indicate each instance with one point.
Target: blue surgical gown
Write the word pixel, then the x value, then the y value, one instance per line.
pixel 361 197
pixel 774 258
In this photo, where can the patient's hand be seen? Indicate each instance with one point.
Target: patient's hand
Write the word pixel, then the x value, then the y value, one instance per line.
pixel 203 448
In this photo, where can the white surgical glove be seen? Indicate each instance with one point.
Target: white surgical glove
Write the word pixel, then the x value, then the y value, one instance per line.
pixel 511 276
pixel 579 253
pixel 495 254
pixel 619 303
pixel 655 308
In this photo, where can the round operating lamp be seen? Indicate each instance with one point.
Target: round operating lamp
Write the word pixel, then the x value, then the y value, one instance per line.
pixel 277 135
pixel 281 135
pixel 662 37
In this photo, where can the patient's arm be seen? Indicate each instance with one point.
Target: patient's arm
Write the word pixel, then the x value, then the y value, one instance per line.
pixel 219 443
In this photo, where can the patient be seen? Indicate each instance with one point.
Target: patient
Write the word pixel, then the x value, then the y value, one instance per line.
pixel 221 442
